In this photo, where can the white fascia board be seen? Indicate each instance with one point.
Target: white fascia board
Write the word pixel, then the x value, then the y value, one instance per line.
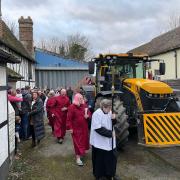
pixel 63 68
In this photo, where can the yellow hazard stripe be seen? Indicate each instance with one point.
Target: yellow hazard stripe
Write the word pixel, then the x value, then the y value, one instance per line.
pixel 162 128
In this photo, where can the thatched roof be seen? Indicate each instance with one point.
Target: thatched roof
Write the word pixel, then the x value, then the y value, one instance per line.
pixel 161 44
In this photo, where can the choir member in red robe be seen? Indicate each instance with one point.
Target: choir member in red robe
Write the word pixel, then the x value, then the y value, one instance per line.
pixel 50 108
pixel 62 104
pixel 77 124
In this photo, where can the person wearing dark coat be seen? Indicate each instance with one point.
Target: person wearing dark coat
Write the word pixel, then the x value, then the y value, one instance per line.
pixel 42 96
pixel 36 119
pixel 70 94
pixel 25 109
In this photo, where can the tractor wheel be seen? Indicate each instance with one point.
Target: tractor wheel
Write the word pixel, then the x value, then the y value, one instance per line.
pixel 122 124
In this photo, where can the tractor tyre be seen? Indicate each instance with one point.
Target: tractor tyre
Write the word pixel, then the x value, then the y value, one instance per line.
pixel 122 125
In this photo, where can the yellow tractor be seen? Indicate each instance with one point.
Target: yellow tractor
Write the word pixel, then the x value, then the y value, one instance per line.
pixel 148 105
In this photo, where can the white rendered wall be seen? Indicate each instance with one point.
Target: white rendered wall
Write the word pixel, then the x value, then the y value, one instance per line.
pixel 3 118
pixel 169 59
pixel 11 116
pixel 3 144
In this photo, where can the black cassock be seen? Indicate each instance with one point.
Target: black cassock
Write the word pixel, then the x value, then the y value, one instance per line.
pixel 103 161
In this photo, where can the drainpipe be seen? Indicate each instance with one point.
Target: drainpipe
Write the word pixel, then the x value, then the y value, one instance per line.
pixel 175 56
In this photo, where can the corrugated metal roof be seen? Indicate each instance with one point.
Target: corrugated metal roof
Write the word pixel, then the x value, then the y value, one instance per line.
pixel 48 59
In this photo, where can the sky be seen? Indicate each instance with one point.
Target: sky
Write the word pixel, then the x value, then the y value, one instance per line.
pixel 112 26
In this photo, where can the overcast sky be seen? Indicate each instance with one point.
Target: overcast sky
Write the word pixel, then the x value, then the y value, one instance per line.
pixel 110 25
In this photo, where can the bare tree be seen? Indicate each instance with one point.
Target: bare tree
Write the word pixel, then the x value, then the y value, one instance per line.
pixel 174 21
pixel 12 26
pixel 42 44
pixel 51 44
pixel 76 46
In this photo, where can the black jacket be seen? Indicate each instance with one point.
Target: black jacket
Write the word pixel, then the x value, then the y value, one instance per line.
pixel 36 115
pixel 26 103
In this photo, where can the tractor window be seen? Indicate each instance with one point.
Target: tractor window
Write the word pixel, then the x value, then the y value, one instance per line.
pixel 125 71
pixel 139 70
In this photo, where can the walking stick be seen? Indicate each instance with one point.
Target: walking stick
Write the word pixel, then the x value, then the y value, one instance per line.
pixel 112 100
pixel 113 88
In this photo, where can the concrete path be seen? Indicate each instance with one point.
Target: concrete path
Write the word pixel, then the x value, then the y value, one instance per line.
pixel 170 155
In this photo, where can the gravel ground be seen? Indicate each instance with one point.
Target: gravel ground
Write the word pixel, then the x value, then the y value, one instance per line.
pixel 52 161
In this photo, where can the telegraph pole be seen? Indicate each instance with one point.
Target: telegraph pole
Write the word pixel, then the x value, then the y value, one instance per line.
pixel 0 11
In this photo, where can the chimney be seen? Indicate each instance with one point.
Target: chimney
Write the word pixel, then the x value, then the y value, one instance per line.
pixel 26 33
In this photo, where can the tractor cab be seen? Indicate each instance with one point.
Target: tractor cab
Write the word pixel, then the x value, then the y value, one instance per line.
pixel 112 69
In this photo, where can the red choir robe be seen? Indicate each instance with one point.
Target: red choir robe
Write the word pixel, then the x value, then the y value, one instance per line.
pixel 50 108
pixel 60 116
pixel 77 122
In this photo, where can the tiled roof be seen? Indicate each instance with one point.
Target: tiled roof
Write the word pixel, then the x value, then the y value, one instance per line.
pixel 161 44
pixel 7 38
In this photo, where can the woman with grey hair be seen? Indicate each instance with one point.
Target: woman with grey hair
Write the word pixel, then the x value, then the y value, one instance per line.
pixel 103 141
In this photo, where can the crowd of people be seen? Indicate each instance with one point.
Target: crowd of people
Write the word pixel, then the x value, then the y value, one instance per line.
pixel 67 111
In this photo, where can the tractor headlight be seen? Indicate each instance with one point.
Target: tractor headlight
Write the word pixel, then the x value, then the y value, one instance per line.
pixel 155 95
pixel 108 57
pixel 150 95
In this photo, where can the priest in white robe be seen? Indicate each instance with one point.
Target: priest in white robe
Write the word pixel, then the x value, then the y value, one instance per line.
pixel 103 141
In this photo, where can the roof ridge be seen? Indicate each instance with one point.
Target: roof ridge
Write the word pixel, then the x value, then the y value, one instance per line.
pixel 160 44
pixel 165 33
